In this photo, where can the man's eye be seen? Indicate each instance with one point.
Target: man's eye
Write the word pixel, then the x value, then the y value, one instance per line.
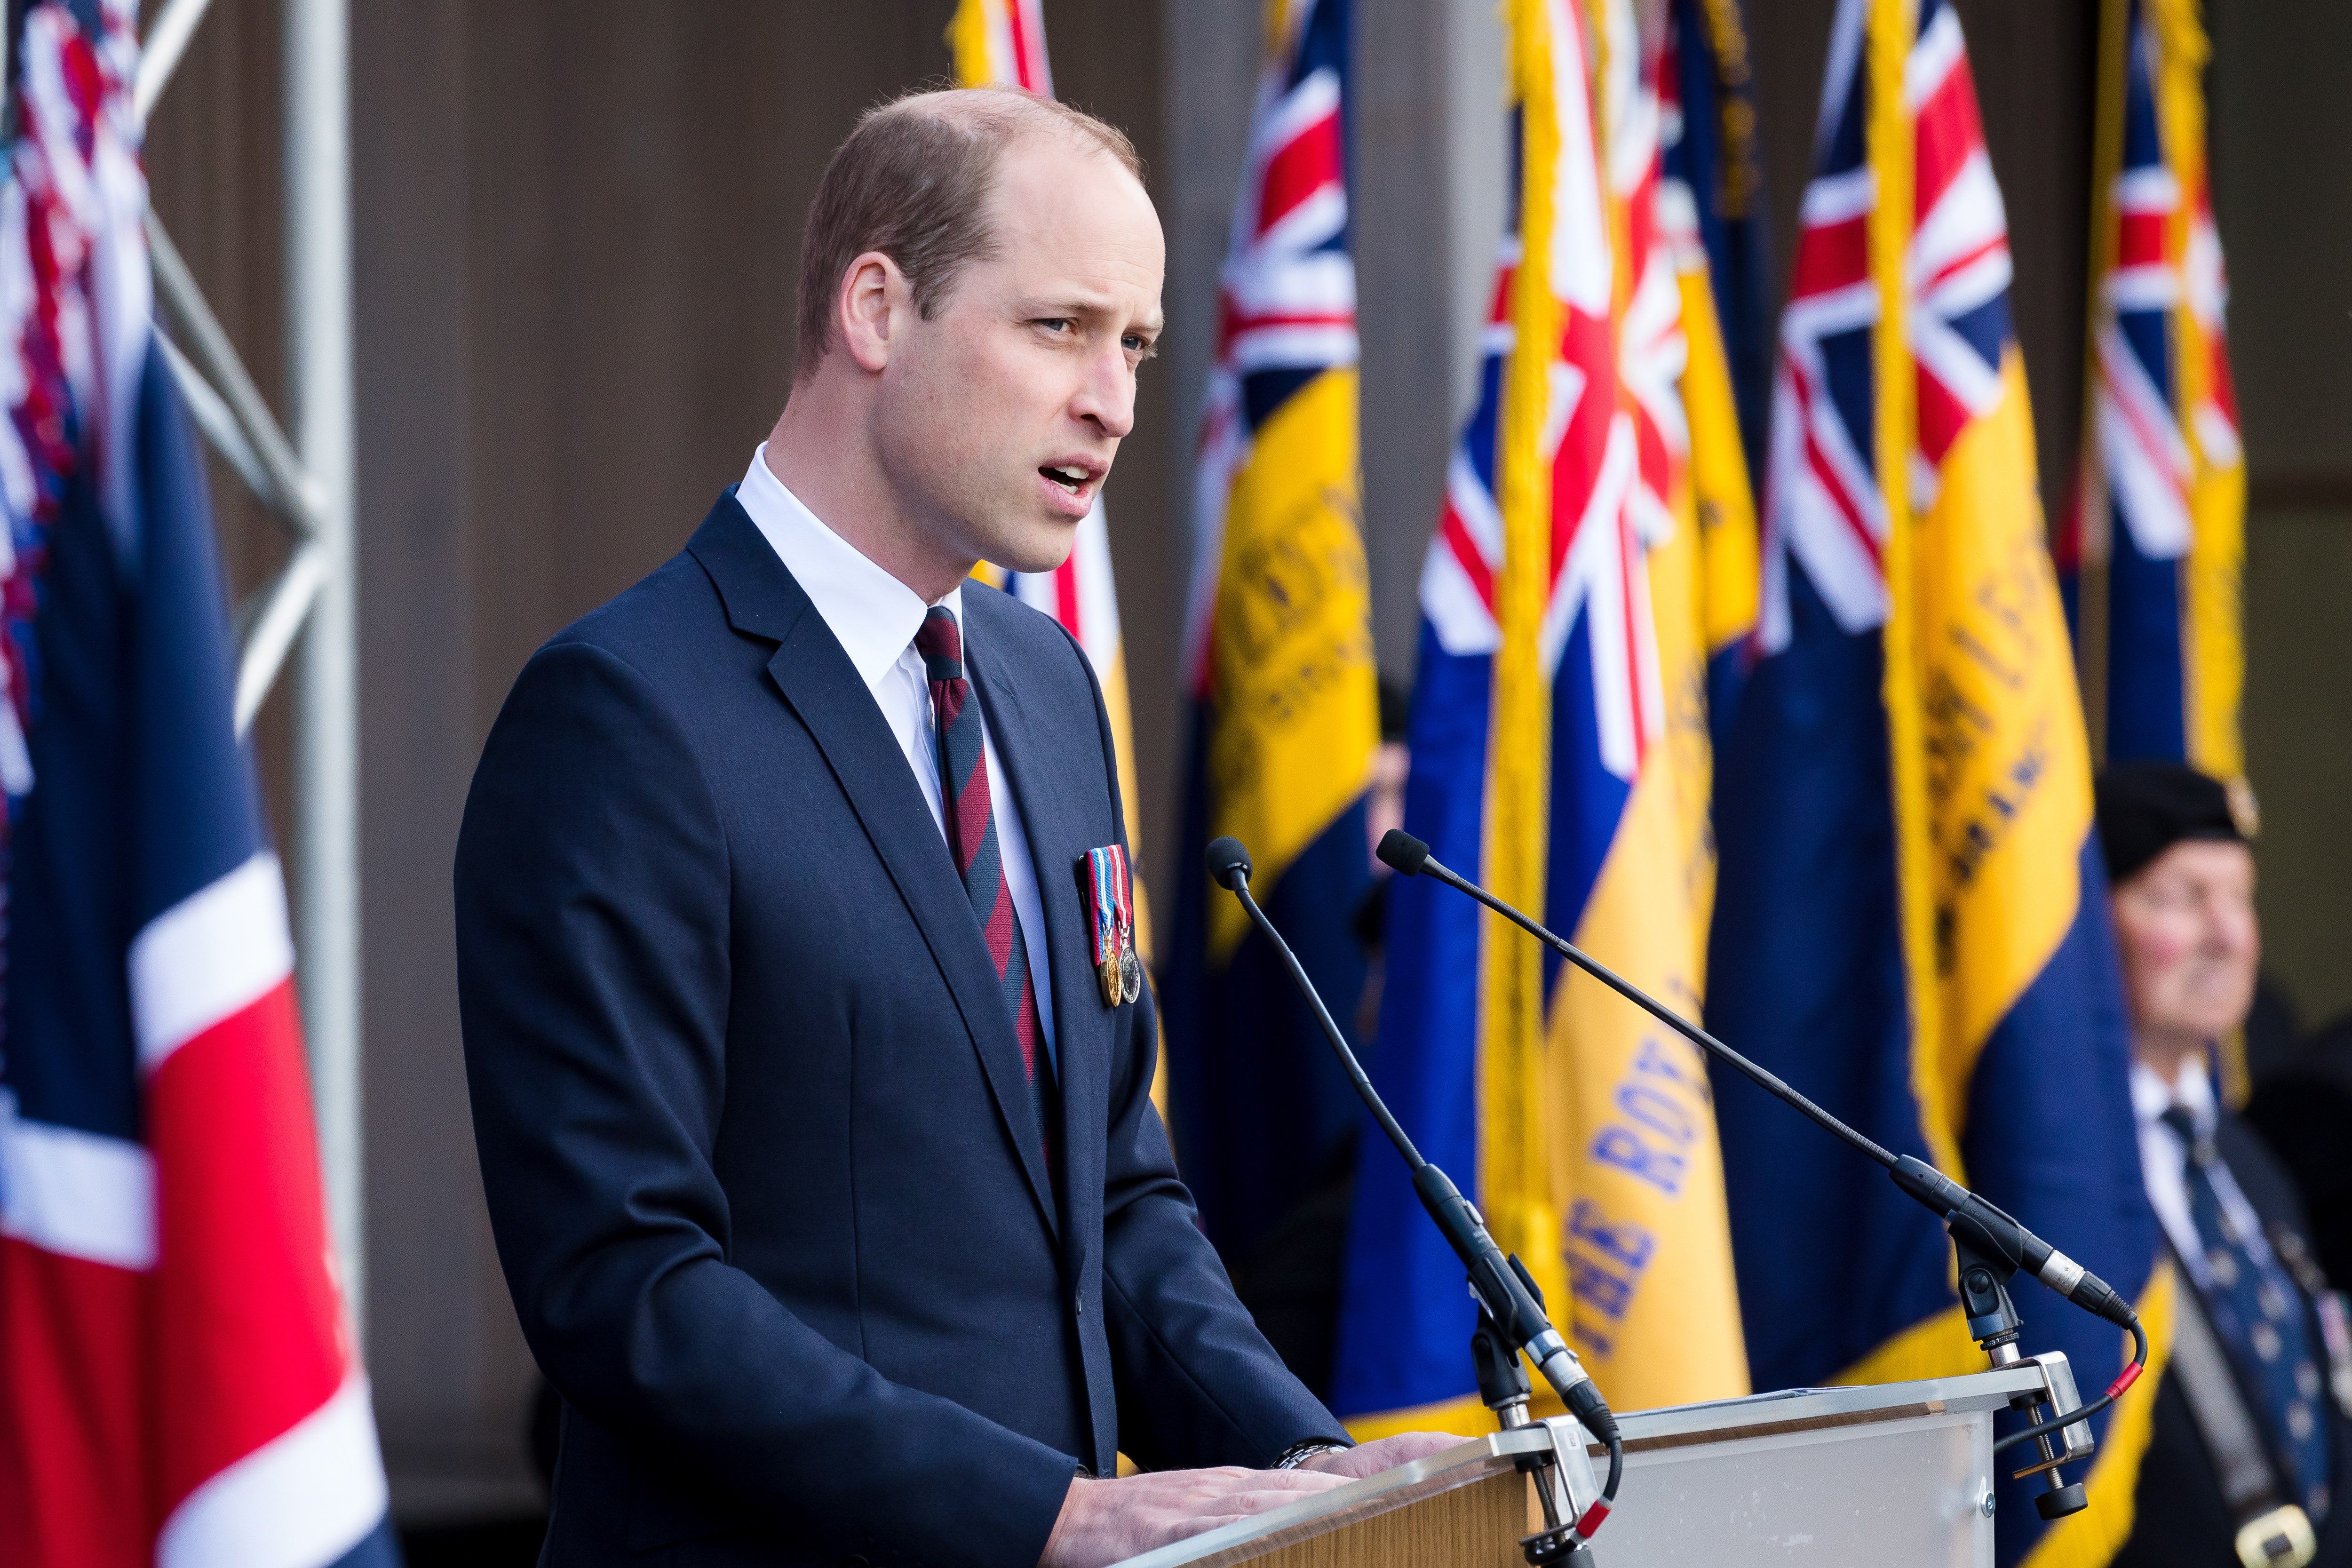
pixel 1057 323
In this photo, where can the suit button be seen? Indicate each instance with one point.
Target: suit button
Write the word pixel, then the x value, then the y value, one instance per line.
pixel 856 1562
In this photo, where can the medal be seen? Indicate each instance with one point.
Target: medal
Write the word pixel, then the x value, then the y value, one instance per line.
pixel 1109 886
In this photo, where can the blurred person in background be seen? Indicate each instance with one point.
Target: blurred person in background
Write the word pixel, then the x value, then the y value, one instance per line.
pixel 2247 1458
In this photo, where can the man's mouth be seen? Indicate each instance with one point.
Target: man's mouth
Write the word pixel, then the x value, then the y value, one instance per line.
pixel 1069 476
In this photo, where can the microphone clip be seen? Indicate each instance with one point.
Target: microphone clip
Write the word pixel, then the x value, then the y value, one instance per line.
pixel 1504 1388
pixel 1985 1269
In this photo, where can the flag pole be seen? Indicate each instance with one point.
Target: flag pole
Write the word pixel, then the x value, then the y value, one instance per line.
pixel 2092 545
pixel 1889 33
pixel 326 726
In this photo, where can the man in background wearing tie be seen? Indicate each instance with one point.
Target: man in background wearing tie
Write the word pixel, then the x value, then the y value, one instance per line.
pixel 811 1068
pixel 2247 1460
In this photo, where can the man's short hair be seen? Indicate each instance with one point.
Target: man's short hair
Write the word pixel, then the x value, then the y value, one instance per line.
pixel 912 181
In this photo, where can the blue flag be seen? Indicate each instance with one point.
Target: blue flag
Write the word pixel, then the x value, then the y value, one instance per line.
pixel 1285 695
pixel 1911 921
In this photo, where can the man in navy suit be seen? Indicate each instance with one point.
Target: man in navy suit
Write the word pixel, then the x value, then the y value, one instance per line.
pixel 825 1176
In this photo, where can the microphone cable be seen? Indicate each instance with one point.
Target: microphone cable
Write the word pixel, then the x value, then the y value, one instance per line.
pixel 2116 1390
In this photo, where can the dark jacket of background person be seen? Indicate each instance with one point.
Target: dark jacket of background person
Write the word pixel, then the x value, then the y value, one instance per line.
pixel 744 1088
pixel 2180 1520
pixel 2303 1108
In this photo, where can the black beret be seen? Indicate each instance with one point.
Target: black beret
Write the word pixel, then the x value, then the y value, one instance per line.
pixel 2146 807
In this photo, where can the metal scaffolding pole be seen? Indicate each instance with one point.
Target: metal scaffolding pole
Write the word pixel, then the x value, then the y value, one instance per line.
pixel 308 484
pixel 326 733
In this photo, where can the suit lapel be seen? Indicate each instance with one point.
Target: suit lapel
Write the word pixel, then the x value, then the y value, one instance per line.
pixel 825 691
pixel 1039 772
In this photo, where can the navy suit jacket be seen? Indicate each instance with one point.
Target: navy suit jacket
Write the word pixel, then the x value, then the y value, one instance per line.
pixel 752 1119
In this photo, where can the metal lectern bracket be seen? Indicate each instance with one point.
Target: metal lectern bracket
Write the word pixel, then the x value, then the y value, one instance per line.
pixel 1560 1471
pixel 1565 1488
pixel 2065 1398
pixel 1985 1272
pixel 1571 1447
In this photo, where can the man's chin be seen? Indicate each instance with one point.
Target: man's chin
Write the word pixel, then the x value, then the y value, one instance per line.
pixel 1032 547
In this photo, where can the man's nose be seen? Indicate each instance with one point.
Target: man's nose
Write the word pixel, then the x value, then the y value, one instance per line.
pixel 1106 396
pixel 2227 928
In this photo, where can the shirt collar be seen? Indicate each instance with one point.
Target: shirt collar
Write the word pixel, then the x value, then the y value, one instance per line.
pixel 2193 1090
pixel 871 613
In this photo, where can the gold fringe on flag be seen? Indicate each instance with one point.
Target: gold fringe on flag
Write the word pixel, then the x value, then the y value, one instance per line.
pixel 1517 1175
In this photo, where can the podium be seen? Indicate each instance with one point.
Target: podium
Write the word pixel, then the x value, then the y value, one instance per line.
pixel 1897 1473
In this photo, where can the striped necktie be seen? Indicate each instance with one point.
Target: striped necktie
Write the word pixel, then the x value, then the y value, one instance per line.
pixel 971 821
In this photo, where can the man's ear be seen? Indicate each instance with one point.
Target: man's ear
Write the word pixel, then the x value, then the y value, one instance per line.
pixel 872 308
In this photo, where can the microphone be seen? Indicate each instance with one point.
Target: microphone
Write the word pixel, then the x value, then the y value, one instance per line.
pixel 1505 1292
pixel 1976 1225
pixel 1229 864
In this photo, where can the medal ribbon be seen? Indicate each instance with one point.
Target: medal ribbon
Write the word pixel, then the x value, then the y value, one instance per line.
pixel 1107 872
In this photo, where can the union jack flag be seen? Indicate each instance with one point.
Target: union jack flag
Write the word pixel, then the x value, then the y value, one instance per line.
pixel 2162 468
pixel 1483 1062
pixel 177 1381
pixel 1709 205
pixel 2144 459
pixel 1615 434
pixel 1286 292
pixel 1821 502
pixel 1910 913
pixel 1278 657
pixel 2213 415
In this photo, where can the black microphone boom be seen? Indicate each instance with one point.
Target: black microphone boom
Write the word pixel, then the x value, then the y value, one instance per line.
pixel 1229 867
pixel 1502 1291
pixel 1974 1225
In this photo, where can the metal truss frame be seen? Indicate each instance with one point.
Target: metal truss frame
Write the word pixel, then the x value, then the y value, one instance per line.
pixel 307 610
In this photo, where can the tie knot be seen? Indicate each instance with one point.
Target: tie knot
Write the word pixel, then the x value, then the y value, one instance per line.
pixel 940 642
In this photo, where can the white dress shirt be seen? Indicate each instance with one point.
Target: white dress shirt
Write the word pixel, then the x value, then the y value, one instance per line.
pixel 875 617
pixel 2163 1162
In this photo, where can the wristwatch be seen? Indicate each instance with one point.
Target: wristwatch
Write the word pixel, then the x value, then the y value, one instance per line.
pixel 1297 1453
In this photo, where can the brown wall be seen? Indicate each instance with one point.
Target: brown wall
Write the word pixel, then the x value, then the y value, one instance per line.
pixel 2283 192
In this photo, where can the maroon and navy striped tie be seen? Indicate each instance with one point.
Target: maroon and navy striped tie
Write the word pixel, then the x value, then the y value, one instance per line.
pixel 970 820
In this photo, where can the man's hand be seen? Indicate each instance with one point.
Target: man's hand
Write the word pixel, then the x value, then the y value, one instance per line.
pixel 1371 1459
pixel 1110 1521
